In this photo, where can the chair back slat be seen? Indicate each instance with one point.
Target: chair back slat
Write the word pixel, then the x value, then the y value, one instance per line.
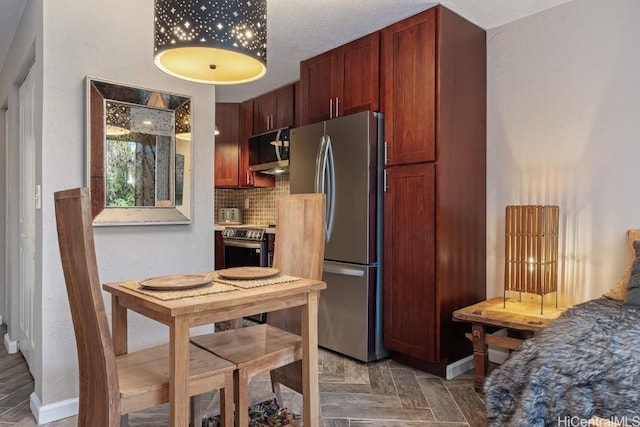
pixel 98 391
pixel 299 246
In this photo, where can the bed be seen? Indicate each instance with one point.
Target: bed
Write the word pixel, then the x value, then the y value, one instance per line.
pixel 583 364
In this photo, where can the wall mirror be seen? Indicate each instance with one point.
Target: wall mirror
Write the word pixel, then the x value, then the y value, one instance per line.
pixel 138 155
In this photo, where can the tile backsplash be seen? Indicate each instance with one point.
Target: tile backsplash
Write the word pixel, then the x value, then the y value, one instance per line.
pixel 262 201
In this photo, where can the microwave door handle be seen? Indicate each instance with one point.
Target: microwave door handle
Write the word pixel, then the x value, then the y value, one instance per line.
pixel 331 188
pixel 277 146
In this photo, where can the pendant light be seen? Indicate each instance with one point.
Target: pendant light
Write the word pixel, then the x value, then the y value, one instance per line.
pixel 211 41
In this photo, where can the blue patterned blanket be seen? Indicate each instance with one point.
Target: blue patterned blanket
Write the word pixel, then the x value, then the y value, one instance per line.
pixel 583 364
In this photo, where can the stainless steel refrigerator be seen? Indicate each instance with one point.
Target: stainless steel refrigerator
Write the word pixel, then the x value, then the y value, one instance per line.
pixel 343 158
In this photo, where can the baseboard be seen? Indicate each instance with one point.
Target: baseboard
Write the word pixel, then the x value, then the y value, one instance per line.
pixel 496 354
pixel 459 367
pixel 9 345
pixel 52 412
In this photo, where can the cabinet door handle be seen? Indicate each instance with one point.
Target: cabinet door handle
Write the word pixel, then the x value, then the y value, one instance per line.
pixel 331 108
pixel 385 181
pixel 386 152
pixel 337 108
pixel 272 122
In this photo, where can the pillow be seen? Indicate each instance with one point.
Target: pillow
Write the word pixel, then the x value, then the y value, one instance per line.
pixel 633 289
pixel 619 292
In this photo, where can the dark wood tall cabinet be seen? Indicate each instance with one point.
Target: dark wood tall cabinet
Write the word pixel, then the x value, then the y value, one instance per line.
pixel 433 70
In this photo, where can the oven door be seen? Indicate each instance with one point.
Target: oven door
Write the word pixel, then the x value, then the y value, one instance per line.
pixel 242 253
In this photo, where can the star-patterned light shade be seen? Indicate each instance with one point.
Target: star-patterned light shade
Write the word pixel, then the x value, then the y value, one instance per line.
pixel 211 41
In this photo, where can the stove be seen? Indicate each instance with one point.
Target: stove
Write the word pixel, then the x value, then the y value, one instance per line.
pixel 246 247
pixel 244 233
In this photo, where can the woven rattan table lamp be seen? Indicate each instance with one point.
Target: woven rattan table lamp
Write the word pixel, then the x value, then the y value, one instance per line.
pixel 531 250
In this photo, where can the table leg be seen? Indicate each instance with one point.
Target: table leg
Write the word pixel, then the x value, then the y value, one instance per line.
pixel 310 387
pixel 118 326
pixel 179 372
pixel 480 355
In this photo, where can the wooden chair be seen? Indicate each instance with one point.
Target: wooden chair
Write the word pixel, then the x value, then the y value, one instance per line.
pixel 111 385
pixel 276 346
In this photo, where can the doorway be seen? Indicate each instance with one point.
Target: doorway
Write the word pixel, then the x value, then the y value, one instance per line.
pixel 20 219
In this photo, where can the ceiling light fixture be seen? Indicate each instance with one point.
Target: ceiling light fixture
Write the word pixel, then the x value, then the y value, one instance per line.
pixel 211 41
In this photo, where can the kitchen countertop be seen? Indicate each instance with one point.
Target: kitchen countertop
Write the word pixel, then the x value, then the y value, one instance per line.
pixel 219 226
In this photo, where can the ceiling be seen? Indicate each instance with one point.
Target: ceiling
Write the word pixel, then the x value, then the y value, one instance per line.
pixel 300 29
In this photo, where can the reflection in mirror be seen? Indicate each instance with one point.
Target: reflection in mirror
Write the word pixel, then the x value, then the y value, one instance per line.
pixel 139 155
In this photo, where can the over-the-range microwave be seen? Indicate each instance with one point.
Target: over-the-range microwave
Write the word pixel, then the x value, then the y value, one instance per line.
pixel 269 151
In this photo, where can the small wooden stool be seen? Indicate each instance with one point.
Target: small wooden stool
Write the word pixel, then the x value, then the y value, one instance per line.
pixel 511 314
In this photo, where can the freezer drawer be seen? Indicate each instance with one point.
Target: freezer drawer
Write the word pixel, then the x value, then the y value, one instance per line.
pixel 346 317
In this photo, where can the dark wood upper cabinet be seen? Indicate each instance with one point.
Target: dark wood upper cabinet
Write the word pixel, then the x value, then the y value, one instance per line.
pixel 316 87
pixel 274 110
pixel 235 123
pixel 343 81
pixel 246 177
pixel 409 89
pixel 227 148
pixel 358 82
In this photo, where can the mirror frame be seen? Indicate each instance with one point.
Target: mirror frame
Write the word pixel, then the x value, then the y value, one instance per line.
pixel 98 91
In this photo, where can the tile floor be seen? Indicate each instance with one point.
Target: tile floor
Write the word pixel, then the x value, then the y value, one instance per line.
pixel 352 394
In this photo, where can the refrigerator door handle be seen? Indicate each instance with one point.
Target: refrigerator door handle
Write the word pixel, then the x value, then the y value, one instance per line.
pixel 331 190
pixel 344 271
pixel 320 166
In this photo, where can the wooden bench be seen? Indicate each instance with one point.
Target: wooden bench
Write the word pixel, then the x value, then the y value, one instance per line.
pixel 524 317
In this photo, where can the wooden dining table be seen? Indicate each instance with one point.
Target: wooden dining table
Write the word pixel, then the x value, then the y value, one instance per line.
pixel 182 313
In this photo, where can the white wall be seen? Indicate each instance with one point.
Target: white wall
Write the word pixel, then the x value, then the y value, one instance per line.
pixel 563 128
pixel 112 39
pixel 3 204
